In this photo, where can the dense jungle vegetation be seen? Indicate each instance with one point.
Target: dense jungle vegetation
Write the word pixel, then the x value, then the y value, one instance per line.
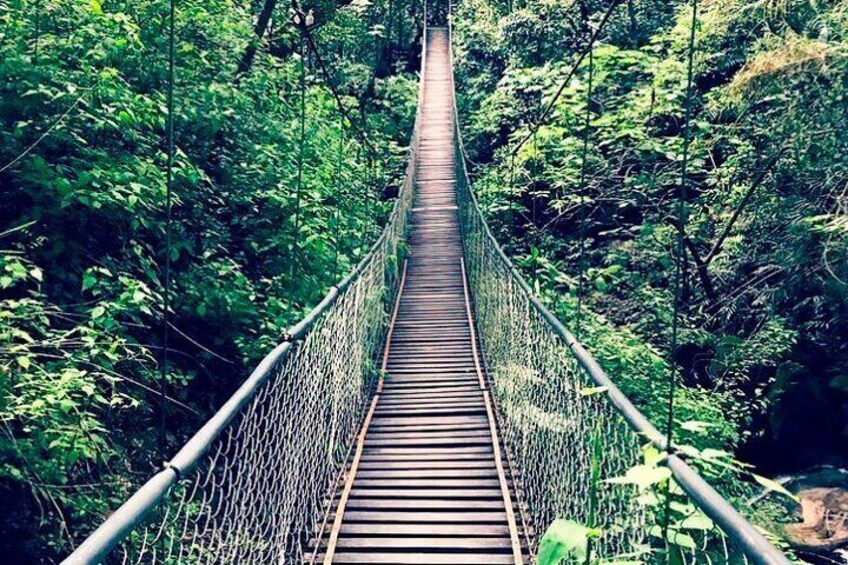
pixel 82 151
pixel 761 350
pixel 276 195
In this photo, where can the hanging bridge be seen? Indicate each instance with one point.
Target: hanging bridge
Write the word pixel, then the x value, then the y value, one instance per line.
pixel 429 410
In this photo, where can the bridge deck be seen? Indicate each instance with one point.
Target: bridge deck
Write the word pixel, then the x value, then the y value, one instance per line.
pixel 428 484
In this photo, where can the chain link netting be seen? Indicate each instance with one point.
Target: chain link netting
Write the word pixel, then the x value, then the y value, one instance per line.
pixel 564 437
pixel 264 488
pixel 265 483
pixel 551 426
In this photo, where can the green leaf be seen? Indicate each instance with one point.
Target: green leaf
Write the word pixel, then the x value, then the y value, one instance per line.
pixel 565 540
pixel 675 537
pixel 696 522
pixel 775 486
pixel 591 390
pixel 643 476
pixel 97 312
pixel 695 426
pixel 653 455
pixel 681 540
pixel 88 280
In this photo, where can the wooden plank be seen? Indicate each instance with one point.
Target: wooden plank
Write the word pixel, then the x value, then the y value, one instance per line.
pixel 410 441
pixel 423 411
pixel 424 434
pixel 455 404
pixel 418 558
pixel 394 395
pixel 421 542
pixel 459 396
pixel 403 492
pixel 427 503
pixel 434 427
pixel 412 484
pixel 423 530
pixel 435 453
pixel 424 455
pixel 449 518
pixel 426 473
pixel 425 464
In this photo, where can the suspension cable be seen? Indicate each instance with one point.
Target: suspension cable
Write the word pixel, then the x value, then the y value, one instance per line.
pixel 584 167
pixel 550 106
pixel 300 150
pixel 169 181
pixel 338 188
pixel 533 176
pixel 37 31
pixel 681 216
pixel 681 257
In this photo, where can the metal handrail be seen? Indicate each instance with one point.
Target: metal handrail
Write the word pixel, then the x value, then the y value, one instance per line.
pixel 131 513
pixel 110 534
pixel 740 531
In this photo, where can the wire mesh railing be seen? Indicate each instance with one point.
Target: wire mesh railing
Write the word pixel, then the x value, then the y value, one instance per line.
pixel 582 451
pixel 253 482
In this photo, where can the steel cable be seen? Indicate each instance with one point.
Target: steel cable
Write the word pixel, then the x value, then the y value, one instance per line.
pixel 582 189
pixel 681 259
pixel 169 182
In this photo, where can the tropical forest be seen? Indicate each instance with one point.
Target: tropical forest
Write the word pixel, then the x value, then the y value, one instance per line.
pixel 424 281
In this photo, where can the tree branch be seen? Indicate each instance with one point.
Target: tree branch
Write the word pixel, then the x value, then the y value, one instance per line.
pixel 716 249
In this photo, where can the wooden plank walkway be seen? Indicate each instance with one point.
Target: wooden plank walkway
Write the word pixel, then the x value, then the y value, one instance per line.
pixel 427 484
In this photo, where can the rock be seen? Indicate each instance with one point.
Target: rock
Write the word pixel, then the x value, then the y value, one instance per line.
pixel 824 511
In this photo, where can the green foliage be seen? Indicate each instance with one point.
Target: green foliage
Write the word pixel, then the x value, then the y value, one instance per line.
pixel 565 541
pixel 82 153
pixel 763 287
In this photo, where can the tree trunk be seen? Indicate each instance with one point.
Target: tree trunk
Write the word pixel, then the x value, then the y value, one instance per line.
pixel 260 29
pixel 635 34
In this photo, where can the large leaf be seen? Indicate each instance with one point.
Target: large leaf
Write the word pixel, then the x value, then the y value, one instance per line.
pixel 565 540
pixel 775 486
pixel 643 476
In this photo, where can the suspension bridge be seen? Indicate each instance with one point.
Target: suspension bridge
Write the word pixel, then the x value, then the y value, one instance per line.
pixel 429 410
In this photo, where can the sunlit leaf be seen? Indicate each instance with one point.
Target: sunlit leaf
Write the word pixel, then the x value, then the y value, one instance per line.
pixel 775 486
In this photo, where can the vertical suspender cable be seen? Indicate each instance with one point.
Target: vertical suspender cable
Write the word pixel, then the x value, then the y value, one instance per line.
pixel 37 30
pixel 369 185
pixel 535 174
pixel 338 199
pixel 302 142
pixel 511 181
pixel 581 275
pixel 169 181
pixel 681 221
pixel 681 257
